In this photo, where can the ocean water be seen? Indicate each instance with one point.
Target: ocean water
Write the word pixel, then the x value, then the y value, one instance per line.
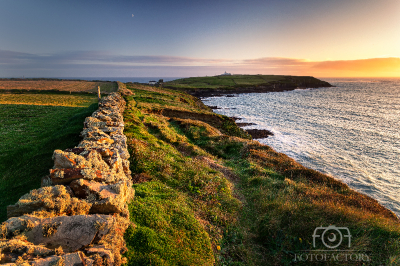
pixel 351 131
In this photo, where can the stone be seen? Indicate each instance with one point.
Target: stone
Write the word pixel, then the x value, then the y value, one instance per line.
pixel 122 150
pixel 105 253
pixel 55 199
pixel 102 143
pixel 95 122
pixel 105 198
pixel 126 168
pixel 95 134
pixel 66 176
pixel 104 152
pixel 10 250
pixel 115 162
pixel 73 259
pixel 70 232
pixel 107 115
pixel 69 160
pixel 259 133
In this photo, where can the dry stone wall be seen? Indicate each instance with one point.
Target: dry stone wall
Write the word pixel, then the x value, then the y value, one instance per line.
pixel 79 215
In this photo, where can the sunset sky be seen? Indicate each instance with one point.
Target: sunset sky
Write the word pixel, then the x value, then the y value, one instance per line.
pixel 180 38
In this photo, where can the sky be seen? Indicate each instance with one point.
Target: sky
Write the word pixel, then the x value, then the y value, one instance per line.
pixel 181 38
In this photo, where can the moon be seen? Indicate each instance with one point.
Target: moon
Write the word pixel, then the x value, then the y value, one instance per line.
pixel 133 15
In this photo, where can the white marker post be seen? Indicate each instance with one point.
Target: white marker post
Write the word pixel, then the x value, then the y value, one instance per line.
pixel 98 93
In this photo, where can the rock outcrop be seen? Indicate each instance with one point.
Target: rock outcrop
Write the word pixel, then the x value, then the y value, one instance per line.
pixel 79 215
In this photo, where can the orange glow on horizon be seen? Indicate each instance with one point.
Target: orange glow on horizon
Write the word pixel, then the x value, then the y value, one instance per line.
pixel 374 67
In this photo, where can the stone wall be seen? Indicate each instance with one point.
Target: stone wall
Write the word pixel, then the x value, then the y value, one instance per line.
pixel 79 215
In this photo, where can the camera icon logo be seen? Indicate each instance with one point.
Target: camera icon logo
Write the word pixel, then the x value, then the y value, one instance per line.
pixel 332 236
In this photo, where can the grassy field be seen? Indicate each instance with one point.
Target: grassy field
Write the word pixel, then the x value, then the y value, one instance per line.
pixel 235 81
pixel 206 194
pixel 48 99
pixel 59 85
pixel 30 134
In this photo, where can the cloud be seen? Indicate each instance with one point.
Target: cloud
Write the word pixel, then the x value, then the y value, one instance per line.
pixel 373 67
pixel 101 57
pixel 363 65
pixel 103 63
pixel 275 62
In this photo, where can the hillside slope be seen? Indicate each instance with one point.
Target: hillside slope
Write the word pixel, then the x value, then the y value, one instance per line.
pixel 206 194
pixel 219 85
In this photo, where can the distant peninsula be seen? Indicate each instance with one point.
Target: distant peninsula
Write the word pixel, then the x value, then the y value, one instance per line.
pixel 228 84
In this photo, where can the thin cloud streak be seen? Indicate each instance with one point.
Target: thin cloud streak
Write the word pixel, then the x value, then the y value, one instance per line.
pixel 103 58
pixel 103 63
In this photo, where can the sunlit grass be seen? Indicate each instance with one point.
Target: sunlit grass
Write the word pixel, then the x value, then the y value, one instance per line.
pixel 222 81
pixel 57 85
pixel 254 206
pixel 48 99
pixel 30 134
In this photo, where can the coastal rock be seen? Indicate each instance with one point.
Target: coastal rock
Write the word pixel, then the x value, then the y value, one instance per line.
pixel 259 133
pixel 245 124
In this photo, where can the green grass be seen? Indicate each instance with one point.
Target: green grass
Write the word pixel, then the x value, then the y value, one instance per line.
pixel 30 134
pixel 213 196
pixel 218 82
pixel 48 99
pixel 167 231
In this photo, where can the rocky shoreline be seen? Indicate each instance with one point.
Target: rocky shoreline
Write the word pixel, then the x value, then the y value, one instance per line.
pixel 264 88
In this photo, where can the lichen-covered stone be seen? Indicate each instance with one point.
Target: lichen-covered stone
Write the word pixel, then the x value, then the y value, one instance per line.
pixel 105 198
pixel 55 199
pixel 12 249
pixel 104 152
pixel 69 160
pixel 95 122
pixel 97 144
pixel 95 134
pixel 73 259
pixel 69 232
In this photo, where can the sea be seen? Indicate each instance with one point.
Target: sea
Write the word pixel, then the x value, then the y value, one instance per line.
pixel 350 131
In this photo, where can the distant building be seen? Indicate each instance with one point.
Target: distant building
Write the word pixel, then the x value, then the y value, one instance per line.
pixel 152 82
pixel 226 74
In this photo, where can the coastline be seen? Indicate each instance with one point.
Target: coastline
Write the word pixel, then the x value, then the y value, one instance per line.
pixel 282 135
pixel 259 89
pixel 205 187
pixel 237 84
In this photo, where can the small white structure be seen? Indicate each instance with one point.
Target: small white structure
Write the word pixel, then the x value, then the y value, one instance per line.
pixel 226 74
pixel 152 82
